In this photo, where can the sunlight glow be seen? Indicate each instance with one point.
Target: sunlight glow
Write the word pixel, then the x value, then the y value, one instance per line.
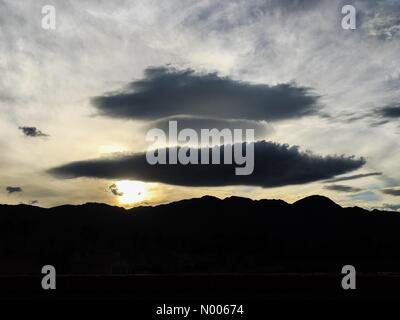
pixel 131 191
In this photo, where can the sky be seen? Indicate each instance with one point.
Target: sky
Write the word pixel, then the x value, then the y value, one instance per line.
pixel 77 101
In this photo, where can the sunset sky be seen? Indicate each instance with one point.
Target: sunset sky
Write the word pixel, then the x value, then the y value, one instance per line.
pixel 84 95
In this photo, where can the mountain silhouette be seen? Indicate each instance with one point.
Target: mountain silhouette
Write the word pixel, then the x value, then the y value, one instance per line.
pixel 202 235
pixel 316 201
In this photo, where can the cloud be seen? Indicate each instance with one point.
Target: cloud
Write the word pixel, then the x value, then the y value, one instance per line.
pixel 274 165
pixel 342 188
pixel 32 132
pixel 392 192
pixel 389 206
pixel 376 117
pixel 114 190
pixel 296 5
pixel 6 99
pixel 13 189
pixel 167 92
pixel 384 27
pixel 353 177
pixel 365 196
pixel 390 111
pixel 30 203
pixel 381 19
pixel 261 128
pixel 223 16
pixel 255 49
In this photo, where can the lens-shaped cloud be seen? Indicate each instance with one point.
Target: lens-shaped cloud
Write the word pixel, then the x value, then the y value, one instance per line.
pixel 165 92
pixel 274 165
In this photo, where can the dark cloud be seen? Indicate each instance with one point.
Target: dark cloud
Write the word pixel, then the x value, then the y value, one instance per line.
pixel 166 92
pixel 392 192
pixel 114 190
pixel 390 111
pixel 353 177
pixel 261 128
pixel 13 189
pixel 274 165
pixel 342 188
pixel 381 116
pixel 32 132
pixel 376 117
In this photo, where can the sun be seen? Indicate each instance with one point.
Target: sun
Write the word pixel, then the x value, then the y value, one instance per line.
pixel 131 191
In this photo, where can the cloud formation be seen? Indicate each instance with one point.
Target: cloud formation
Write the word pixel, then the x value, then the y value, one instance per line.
pixel 390 111
pixel 32 132
pixel 380 18
pixel 353 177
pixel 261 128
pixel 342 188
pixel 368 196
pixel 246 40
pixel 389 206
pixel 392 192
pixel 11 190
pixel 165 92
pixel 114 190
pixel 375 117
pixel 274 165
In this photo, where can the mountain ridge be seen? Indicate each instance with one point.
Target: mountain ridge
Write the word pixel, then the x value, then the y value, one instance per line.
pixel 306 200
pixel 200 235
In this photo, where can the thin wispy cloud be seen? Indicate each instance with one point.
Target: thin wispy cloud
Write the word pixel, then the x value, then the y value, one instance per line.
pixel 353 177
pixel 342 188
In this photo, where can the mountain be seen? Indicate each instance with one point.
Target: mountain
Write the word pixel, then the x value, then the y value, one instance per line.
pixel 204 235
pixel 316 201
